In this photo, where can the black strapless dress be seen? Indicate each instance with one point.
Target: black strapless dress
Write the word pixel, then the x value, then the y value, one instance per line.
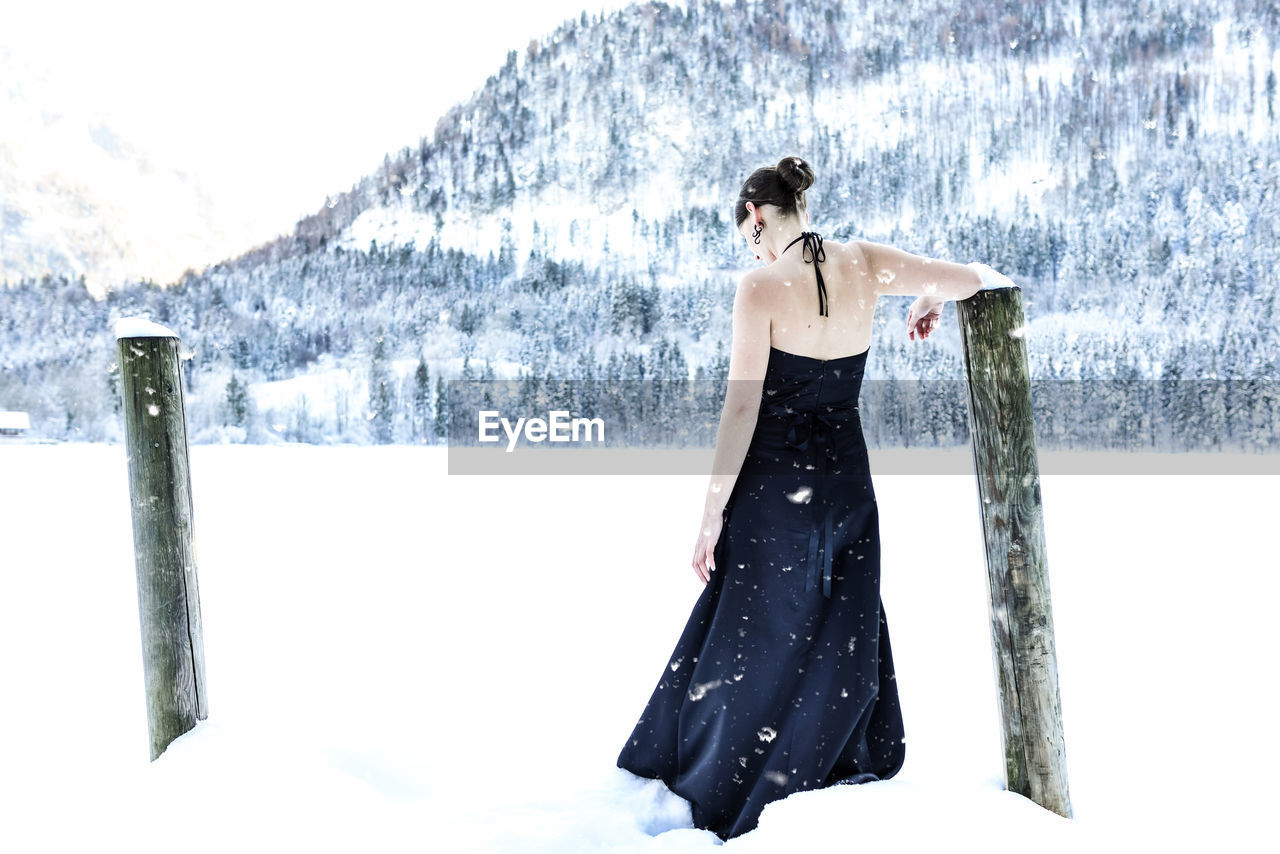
pixel 782 680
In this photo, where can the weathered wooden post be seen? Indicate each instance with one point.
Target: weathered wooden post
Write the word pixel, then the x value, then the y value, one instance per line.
pixel 1008 476
pixel 163 534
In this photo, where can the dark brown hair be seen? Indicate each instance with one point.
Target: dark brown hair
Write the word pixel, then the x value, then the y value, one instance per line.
pixel 782 185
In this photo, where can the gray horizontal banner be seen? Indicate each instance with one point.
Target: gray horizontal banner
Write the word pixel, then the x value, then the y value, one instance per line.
pixel 887 461
pixel 594 426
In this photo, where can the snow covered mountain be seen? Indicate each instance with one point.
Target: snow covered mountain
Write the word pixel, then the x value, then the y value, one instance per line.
pixel 78 198
pixel 572 218
pixel 597 139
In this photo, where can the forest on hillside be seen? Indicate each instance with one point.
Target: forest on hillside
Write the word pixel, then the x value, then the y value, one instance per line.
pixel 1146 253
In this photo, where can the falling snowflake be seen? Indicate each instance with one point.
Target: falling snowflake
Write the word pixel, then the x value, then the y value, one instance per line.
pixel 801 495
pixel 700 690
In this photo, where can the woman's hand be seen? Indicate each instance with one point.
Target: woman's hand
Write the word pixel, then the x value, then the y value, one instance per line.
pixel 704 561
pixel 923 317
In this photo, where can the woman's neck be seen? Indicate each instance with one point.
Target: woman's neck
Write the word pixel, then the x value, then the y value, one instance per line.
pixel 777 239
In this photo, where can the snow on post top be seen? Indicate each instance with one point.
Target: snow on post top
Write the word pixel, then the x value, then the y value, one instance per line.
pixel 991 279
pixel 141 327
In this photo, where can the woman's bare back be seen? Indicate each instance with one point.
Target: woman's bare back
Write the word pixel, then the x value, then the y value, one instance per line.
pixel 791 286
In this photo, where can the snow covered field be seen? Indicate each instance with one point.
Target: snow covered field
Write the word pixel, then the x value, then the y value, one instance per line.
pixel 403 660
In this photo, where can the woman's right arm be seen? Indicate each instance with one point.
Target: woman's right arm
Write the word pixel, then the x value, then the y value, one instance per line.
pixel 898 273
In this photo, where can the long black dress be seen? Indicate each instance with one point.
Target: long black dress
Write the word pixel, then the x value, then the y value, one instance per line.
pixel 783 678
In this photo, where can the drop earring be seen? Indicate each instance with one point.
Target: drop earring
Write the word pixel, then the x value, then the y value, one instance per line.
pixel 756 233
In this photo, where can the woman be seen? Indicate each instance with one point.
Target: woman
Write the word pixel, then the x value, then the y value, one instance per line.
pixel 783 678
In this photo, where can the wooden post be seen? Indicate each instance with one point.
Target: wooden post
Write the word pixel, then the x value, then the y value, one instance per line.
pixel 1008 476
pixel 163 535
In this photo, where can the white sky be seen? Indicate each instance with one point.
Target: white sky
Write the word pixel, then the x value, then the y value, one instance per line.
pixel 276 104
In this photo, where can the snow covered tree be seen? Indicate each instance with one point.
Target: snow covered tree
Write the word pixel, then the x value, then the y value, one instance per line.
pixel 421 399
pixel 442 409
pixel 237 403
pixel 381 406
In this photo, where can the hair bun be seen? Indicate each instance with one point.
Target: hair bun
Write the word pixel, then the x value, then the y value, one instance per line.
pixel 795 173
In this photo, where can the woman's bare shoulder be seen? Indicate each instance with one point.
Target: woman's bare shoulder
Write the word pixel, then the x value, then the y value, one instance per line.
pixel 851 252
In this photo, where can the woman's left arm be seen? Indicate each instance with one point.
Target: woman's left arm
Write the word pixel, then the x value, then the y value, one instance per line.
pixel 748 360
